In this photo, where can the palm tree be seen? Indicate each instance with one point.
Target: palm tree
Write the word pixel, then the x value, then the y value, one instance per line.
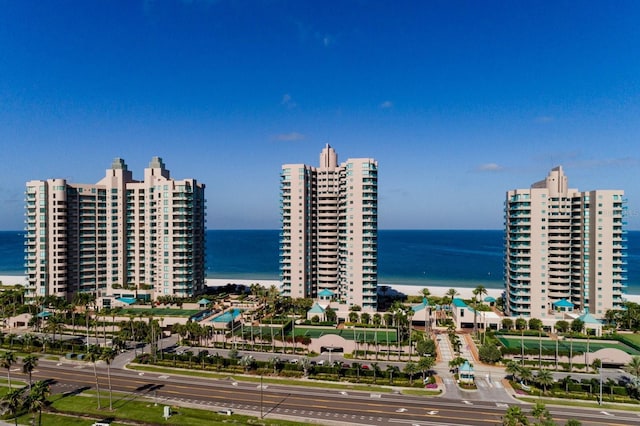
pixel 306 365
pixel 246 361
pixel 478 292
pixel 514 417
pixel 410 369
pixel 452 293
pixel 525 374
pixel 29 363
pixel 633 367
pixel 544 378
pixel 7 359
pixel 273 362
pixel 12 401
pixel 37 398
pixel 425 364
pixel 376 370
pixel 425 292
pixel 392 369
pixel 513 368
pixel 541 413
pixel 93 355
pixel 108 355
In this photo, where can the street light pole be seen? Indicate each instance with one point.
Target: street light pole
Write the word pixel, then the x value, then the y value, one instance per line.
pixel 261 399
pixel 600 401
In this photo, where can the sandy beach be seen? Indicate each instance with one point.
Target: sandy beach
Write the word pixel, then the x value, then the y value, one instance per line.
pixel 409 290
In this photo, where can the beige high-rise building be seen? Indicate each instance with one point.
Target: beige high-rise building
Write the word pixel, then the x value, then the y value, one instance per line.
pixel 329 236
pixel 564 248
pixel 118 238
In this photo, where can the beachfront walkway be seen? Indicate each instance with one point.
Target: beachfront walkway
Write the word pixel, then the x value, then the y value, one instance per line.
pixel 488 379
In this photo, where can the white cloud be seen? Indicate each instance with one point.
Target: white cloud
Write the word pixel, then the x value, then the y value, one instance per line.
pixel 288 101
pixel 289 137
pixel 489 167
pixel 386 105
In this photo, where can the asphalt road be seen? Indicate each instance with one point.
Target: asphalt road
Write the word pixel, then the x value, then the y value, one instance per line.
pixel 321 405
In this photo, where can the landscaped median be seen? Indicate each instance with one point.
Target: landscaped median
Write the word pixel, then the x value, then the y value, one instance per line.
pixel 283 381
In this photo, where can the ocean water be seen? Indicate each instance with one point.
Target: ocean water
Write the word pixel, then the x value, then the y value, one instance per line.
pixel 421 258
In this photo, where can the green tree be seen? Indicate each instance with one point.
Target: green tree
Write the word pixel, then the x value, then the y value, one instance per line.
pixel 13 402
pixel 108 355
pixel 562 326
pixel 7 359
pixel 489 353
pixel 507 323
pixel 451 294
pixel 535 324
pixel 425 364
pixel 29 363
pixel 526 374
pixel 331 315
pixel 377 319
pixel 544 378
pixel 514 417
pixel 410 369
pixel 633 367
pixel 273 363
pixel 247 362
pixel 305 363
pixel 37 398
pixel 513 369
pixel 478 292
pixel 391 370
pixel 577 325
pixel 426 347
pixel 93 355
pixel 542 414
pixel 521 323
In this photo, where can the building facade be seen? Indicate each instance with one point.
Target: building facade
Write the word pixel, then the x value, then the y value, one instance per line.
pixel 118 238
pixel 563 245
pixel 329 237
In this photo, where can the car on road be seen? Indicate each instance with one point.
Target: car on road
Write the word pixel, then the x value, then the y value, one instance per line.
pixel 321 362
pixel 365 367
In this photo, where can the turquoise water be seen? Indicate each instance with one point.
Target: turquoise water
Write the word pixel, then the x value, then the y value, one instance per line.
pixel 421 258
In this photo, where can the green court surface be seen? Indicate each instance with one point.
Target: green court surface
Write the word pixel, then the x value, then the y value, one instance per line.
pixel 361 335
pixel 564 345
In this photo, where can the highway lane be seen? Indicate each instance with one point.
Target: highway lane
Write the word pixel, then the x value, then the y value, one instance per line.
pixel 304 403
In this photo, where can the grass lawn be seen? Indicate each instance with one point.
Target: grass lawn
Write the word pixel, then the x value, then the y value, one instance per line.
pixel 128 407
pixel 564 346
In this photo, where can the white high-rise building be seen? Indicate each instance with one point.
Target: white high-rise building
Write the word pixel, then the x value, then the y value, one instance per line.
pixel 329 236
pixel 563 245
pixel 118 238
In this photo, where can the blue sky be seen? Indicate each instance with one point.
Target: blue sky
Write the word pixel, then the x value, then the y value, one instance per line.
pixel 459 101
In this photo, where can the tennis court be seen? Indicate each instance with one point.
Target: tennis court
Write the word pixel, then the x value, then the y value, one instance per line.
pixel 361 335
pixel 564 345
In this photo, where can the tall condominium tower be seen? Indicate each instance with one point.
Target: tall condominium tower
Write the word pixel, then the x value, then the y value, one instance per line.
pixel 564 244
pixel 329 236
pixel 119 237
